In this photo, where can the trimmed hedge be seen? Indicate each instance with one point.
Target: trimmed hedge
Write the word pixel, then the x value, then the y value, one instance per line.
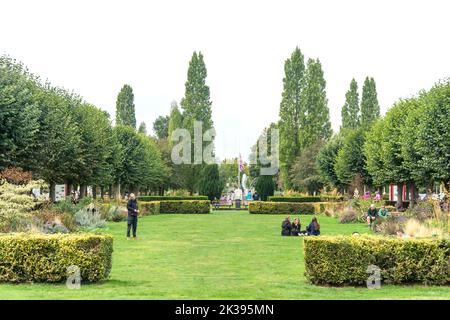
pixel 306 199
pixel 262 207
pixel 164 198
pixel 45 258
pixel 172 206
pixel 343 260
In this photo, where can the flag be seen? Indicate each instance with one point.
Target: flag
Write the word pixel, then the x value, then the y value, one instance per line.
pixel 241 164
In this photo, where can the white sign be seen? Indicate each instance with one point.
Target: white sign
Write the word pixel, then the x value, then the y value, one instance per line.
pixel 60 192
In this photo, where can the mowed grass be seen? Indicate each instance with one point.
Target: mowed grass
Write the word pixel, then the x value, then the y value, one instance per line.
pixel 224 255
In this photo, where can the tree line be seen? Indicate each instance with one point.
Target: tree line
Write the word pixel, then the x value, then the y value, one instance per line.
pixel 61 138
pixel 409 145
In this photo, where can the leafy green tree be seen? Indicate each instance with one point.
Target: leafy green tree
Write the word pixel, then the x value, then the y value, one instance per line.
pixel 125 110
pixel 431 149
pixel 326 160
pixel 291 113
pixel 210 183
pixel 315 120
pixel 383 149
pixel 19 115
pixel 370 109
pixel 161 127
pixel 60 145
pixel 350 161
pixel 175 121
pixel 305 176
pixel 350 110
pixel 142 128
pixel 196 106
pixel 96 147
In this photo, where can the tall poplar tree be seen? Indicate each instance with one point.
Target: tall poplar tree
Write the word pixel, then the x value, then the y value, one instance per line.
pixel 350 110
pixel 196 106
pixel 370 109
pixel 125 110
pixel 290 113
pixel 315 118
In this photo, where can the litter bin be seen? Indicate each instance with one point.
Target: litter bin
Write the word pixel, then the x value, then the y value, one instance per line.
pixel 238 203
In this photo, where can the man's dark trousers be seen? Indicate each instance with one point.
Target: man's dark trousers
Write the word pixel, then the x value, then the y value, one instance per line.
pixel 132 223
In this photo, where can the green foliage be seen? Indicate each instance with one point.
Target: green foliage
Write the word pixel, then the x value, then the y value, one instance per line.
pixel 344 260
pixel 370 109
pixel 350 160
pixel 263 207
pixel 161 127
pixel 157 198
pixel 142 128
pixel 265 186
pixel 210 183
pixel 326 160
pixel 178 206
pixel 142 166
pixel 304 174
pixel 125 110
pixel 290 113
pixel 350 111
pixel 19 114
pixel 45 258
pixel 315 118
pixel 196 106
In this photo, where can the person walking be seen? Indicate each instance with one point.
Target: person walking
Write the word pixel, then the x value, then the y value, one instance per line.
pixel 133 211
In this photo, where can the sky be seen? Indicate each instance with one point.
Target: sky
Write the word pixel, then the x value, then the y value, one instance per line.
pixel 95 47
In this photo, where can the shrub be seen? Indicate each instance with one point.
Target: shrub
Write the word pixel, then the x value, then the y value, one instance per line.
pixel 348 215
pixel 45 258
pixel 172 206
pixel 306 199
pixel 344 260
pixel 89 220
pixel 261 207
pixel 158 198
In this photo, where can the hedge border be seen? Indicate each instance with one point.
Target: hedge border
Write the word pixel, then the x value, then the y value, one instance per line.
pixel 168 198
pixel 45 258
pixel 343 260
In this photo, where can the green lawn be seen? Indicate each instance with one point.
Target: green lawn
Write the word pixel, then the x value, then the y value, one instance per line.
pixel 224 255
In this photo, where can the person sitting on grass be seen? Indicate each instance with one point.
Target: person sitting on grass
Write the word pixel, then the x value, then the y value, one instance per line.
pixel 371 214
pixel 296 226
pixel 384 213
pixel 313 228
pixel 286 227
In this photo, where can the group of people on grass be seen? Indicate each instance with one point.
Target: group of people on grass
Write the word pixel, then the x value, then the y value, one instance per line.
pixel 373 213
pixel 294 228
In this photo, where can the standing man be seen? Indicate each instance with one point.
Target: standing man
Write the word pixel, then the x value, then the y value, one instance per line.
pixel 132 215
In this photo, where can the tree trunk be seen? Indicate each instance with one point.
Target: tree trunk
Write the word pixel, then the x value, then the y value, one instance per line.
pixel 399 204
pixel 94 192
pixel 52 191
pixel 83 189
pixel 69 187
pixel 102 192
pixel 412 189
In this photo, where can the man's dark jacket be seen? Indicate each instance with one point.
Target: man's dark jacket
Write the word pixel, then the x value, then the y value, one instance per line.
pixel 132 207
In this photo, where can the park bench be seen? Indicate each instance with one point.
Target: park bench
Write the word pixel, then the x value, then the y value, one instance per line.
pixel 222 203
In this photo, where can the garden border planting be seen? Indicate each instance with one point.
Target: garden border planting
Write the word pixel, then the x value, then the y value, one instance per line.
pixel 263 207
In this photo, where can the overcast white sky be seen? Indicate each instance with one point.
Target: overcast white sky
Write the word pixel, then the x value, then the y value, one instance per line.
pixel 94 47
